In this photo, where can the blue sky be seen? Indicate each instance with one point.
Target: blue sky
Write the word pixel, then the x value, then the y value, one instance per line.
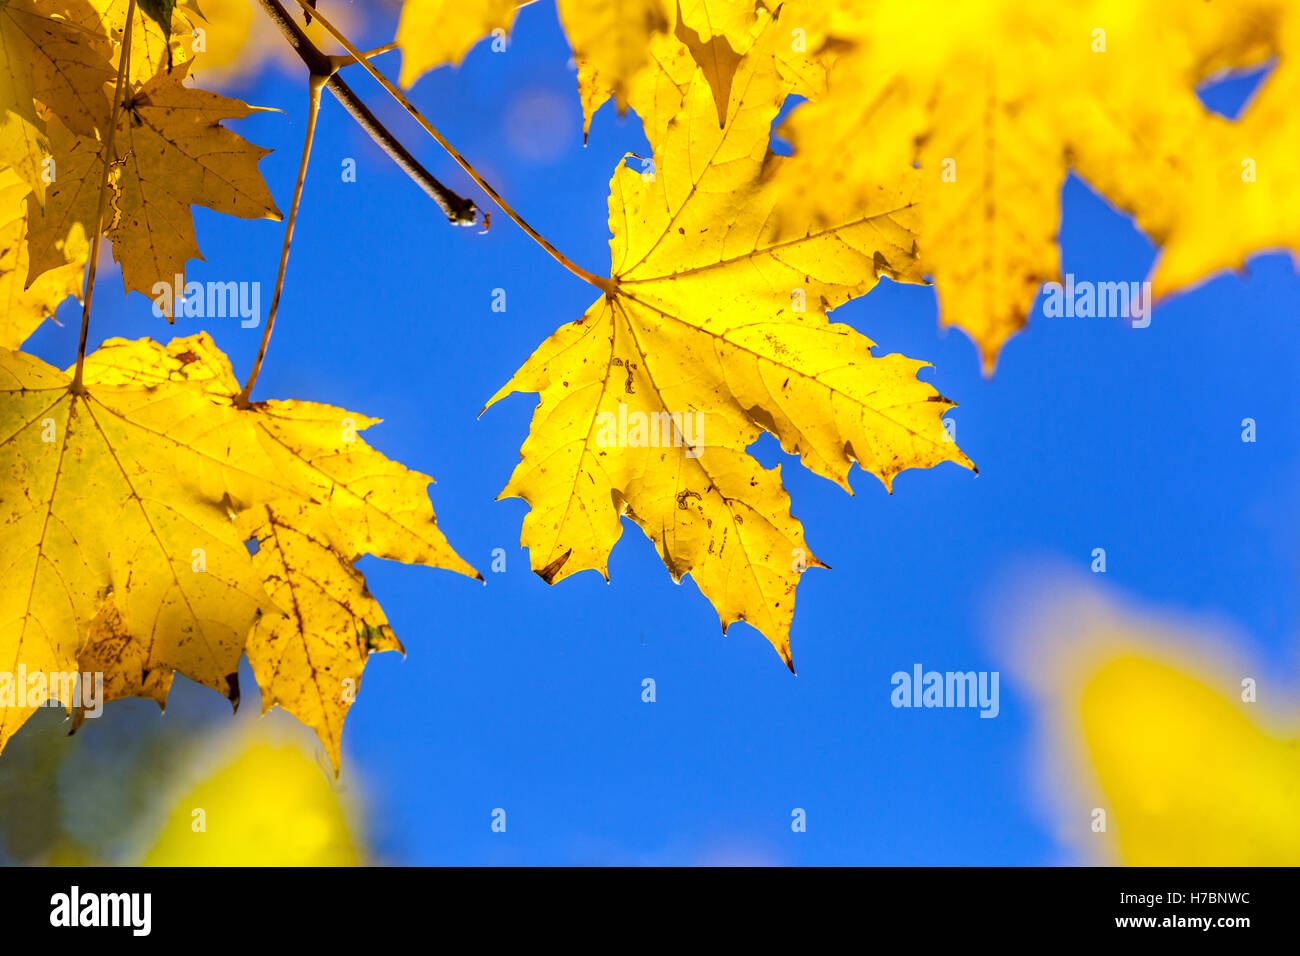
pixel 525 697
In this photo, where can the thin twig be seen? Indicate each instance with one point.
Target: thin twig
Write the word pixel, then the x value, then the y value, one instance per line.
pixel 605 285
pixel 92 264
pixel 314 85
pixel 459 210
pixel 386 48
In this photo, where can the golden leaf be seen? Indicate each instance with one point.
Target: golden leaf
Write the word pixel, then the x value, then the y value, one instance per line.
pixel 1152 722
pixel 656 91
pixel 432 33
pixel 611 44
pixel 170 152
pixel 995 101
pixel 101 499
pixel 24 309
pixel 128 505
pixel 644 54
pixel 320 499
pixel 62 64
pixel 310 660
pixel 713 330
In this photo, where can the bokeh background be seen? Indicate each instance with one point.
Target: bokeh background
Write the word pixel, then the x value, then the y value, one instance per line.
pixel 518 696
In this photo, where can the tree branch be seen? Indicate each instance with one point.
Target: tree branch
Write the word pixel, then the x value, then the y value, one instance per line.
pixel 606 286
pixel 459 210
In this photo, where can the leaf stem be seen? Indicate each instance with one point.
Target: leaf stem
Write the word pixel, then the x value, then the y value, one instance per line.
pixel 315 84
pixel 92 264
pixel 605 285
pixel 459 210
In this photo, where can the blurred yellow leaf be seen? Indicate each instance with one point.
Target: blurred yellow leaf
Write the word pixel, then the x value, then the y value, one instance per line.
pixel 1190 777
pixel 1165 749
pixel 269 806
pixel 996 100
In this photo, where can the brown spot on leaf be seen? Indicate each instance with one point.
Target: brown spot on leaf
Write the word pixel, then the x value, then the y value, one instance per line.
pixel 549 572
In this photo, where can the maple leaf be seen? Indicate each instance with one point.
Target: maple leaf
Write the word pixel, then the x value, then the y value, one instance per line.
pixel 996 100
pixel 57 62
pixel 1210 191
pixel 126 509
pixel 170 152
pixel 644 54
pixel 640 53
pixel 611 44
pixel 432 33
pixel 310 661
pixel 156 43
pixel 701 334
pixel 714 37
pixel 24 309
pixel 320 499
pixel 100 500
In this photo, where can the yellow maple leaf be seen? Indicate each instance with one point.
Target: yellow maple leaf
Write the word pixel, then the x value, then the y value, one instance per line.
pixel 1210 191
pixel 640 53
pixel 310 661
pixel 432 33
pixel 60 63
pixel 152 50
pixel 611 44
pixel 323 499
pixel 101 499
pixel 23 309
pixel 712 330
pixel 793 42
pixel 127 508
pixel 170 152
pixel 643 55
pixel 995 101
